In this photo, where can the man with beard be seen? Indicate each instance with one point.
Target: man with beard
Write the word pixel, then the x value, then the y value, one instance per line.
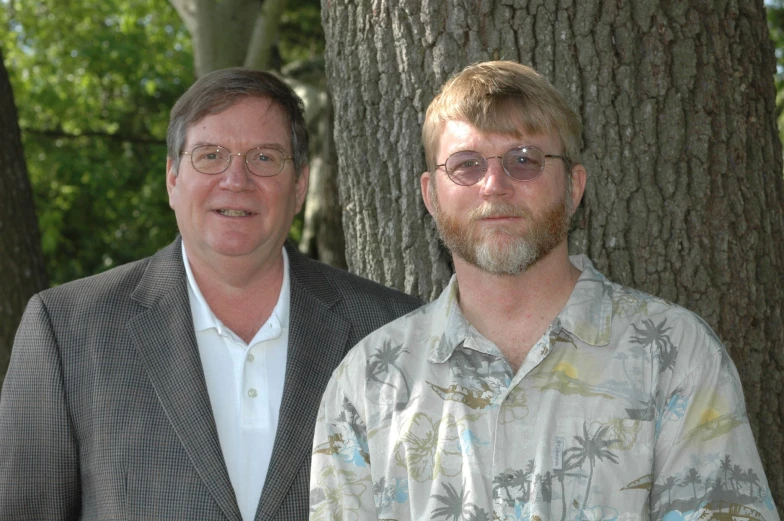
pixel 533 387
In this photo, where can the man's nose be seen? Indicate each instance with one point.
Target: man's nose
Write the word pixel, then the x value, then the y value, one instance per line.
pixel 495 181
pixel 236 176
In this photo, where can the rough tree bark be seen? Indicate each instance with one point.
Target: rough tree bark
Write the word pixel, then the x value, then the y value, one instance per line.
pixel 685 197
pixel 22 269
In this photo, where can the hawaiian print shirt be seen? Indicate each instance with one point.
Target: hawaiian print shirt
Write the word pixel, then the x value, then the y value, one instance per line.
pixel 628 408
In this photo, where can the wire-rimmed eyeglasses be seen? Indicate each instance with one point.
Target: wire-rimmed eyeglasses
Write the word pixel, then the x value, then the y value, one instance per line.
pixel 214 159
pixel 524 163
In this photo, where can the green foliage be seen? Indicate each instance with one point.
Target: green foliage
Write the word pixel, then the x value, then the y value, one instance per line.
pixel 301 34
pixel 775 9
pixel 93 83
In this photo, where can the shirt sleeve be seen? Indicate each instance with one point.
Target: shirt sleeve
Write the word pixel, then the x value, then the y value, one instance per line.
pixel 341 486
pixel 39 476
pixel 705 458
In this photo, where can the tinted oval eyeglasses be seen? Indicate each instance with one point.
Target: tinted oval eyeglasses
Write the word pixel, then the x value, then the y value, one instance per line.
pixel 524 163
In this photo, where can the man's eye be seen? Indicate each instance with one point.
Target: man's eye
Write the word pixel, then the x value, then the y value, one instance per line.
pixel 207 157
pixel 468 163
pixel 208 153
pixel 526 161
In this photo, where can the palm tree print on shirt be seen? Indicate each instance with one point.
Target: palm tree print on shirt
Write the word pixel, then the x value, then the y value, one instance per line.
pixel 592 448
pixel 457 506
pixel 377 371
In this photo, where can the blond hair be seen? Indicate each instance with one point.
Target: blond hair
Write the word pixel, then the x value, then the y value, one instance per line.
pixel 502 97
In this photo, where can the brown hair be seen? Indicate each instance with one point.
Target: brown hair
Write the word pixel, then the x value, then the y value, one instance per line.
pixel 217 91
pixel 502 97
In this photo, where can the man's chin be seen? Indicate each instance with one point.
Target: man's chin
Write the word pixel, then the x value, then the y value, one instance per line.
pixel 497 253
pixel 509 259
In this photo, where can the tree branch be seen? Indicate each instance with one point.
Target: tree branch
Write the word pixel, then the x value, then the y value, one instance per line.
pixel 103 135
pixel 265 34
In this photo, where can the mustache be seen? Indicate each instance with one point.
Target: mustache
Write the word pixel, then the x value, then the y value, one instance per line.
pixel 497 209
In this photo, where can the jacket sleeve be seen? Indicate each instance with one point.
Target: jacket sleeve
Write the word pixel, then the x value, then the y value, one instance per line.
pixel 341 485
pixel 39 474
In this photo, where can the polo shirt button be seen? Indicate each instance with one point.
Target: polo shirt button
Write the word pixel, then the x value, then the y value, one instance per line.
pixel 252 393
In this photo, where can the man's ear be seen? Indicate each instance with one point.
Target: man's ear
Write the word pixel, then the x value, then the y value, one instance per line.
pixel 424 183
pixel 579 178
pixel 171 178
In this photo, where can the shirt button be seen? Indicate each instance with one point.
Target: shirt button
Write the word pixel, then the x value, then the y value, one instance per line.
pixel 252 393
pixel 251 357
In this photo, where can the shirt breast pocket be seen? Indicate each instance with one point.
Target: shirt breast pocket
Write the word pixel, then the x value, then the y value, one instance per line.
pixel 604 465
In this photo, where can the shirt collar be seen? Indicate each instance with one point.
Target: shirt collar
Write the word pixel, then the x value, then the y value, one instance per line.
pixel 588 312
pixel 204 318
pixel 586 315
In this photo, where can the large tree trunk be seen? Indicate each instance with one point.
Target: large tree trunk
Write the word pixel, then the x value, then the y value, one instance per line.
pixel 685 195
pixel 22 270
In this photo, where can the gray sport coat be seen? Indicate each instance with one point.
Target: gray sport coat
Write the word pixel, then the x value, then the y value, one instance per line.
pixel 104 412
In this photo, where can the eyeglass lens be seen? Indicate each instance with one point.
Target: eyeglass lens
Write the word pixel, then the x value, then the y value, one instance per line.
pixel 214 159
pixel 468 167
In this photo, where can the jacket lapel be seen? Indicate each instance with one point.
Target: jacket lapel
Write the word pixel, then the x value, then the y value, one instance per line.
pixel 165 339
pixel 317 344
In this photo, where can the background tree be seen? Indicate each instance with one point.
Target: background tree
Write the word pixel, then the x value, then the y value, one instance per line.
pixel 22 271
pixel 685 197
pixel 94 82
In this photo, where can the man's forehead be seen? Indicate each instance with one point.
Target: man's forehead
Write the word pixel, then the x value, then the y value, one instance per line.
pixel 229 122
pixel 458 132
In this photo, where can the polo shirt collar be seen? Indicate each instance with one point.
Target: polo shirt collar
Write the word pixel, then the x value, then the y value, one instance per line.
pixel 204 318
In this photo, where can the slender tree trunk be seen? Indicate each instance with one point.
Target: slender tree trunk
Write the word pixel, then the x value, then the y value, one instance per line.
pixel 22 269
pixel 265 35
pixel 322 233
pixel 221 31
pixel 685 197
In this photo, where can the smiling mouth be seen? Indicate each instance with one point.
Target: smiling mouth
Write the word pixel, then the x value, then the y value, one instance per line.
pixel 234 213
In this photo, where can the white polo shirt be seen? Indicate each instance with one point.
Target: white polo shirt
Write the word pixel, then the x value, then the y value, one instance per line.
pixel 245 384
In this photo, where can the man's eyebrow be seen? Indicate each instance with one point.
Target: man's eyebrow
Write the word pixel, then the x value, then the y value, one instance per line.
pixel 276 146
